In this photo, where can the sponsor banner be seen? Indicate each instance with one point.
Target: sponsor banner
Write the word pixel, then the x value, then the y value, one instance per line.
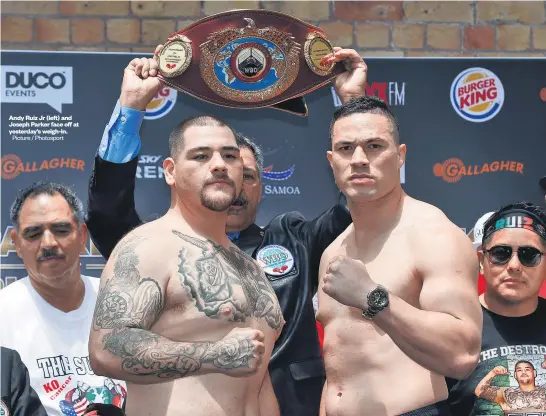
pixel 473 129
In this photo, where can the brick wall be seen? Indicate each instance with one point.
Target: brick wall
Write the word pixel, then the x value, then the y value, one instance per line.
pixel 374 28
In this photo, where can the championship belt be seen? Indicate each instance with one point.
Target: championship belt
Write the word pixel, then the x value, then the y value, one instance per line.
pixel 248 59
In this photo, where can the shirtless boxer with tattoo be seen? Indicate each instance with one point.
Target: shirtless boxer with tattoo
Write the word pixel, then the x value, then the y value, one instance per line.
pixel 397 297
pixel 184 316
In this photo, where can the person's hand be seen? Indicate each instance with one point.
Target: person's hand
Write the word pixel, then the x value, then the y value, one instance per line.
pixel 347 281
pixel 499 370
pixel 140 82
pixel 239 353
pixel 352 82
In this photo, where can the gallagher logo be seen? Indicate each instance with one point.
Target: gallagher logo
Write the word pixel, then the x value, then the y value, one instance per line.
pixel 12 165
pixel 452 170
pixel 477 95
pixel 162 104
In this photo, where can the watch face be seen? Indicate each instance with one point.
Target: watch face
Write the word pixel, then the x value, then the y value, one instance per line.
pixel 379 298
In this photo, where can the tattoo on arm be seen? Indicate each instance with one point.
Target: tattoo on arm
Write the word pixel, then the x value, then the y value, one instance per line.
pixel 489 392
pixel 127 300
pixel 146 354
pixel 212 278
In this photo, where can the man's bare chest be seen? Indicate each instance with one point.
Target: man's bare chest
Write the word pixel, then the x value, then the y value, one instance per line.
pixel 211 282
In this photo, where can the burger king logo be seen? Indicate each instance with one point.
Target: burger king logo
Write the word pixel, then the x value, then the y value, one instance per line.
pixel 162 103
pixel 477 95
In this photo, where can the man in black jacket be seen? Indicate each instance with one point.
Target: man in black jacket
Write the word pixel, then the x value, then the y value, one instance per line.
pixel 17 397
pixel 288 248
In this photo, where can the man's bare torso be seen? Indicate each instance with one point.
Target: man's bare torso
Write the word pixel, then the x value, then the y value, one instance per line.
pixel 211 291
pixel 367 374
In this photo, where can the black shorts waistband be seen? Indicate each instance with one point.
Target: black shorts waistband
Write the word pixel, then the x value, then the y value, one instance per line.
pixel 436 409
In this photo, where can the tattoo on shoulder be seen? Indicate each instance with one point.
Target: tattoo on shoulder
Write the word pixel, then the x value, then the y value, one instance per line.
pixel 127 299
pixel 212 278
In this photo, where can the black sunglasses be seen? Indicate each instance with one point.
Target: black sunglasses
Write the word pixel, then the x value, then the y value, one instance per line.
pixel 528 256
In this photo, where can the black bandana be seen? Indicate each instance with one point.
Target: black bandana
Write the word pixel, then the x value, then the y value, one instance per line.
pixel 517 218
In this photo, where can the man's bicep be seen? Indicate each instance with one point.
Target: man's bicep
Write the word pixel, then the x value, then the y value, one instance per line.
pixel 132 288
pixel 450 272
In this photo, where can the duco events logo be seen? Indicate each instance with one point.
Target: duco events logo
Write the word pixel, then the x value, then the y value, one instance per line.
pixel 393 93
pixel 477 95
pixel 13 166
pixel 50 85
pixel 162 103
pixel 453 170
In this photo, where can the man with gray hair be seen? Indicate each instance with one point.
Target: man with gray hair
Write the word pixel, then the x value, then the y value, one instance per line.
pixel 47 315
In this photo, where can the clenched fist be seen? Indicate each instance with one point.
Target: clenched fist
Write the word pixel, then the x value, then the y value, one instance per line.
pixel 347 281
pixel 140 83
pixel 499 370
pixel 240 352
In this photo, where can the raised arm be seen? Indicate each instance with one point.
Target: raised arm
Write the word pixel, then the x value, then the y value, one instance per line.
pixel 484 389
pixel 130 301
pixel 111 202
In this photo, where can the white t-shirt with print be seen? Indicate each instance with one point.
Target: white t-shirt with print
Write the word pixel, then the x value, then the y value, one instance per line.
pixel 54 346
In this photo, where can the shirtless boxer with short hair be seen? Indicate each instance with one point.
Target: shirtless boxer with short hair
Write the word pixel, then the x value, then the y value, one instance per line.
pixel 388 348
pixel 184 316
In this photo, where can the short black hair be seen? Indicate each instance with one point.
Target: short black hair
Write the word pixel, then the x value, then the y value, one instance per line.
pixel 536 210
pixel 176 138
pixel 244 141
pixel 526 362
pixel 49 188
pixel 366 104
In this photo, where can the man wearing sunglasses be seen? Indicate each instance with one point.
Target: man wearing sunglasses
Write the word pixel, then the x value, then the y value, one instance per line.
pixel 510 377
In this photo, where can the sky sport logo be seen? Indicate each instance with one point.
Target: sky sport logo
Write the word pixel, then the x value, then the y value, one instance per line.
pixel 452 170
pixel 477 95
pixel 162 103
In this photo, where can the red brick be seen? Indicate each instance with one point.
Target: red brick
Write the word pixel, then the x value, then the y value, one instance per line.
pixel 52 30
pixel 87 30
pixel 479 37
pixel 123 30
pixel 16 29
pixel 369 10
pixel 408 35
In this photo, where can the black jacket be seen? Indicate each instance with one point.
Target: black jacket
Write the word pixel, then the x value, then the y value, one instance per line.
pixel 296 366
pixel 17 395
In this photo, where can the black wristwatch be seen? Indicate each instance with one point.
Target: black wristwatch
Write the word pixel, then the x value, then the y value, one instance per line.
pixel 378 299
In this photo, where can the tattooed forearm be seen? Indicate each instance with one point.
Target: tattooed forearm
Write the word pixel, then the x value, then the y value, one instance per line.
pixel 146 354
pixel 212 279
pixel 489 392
